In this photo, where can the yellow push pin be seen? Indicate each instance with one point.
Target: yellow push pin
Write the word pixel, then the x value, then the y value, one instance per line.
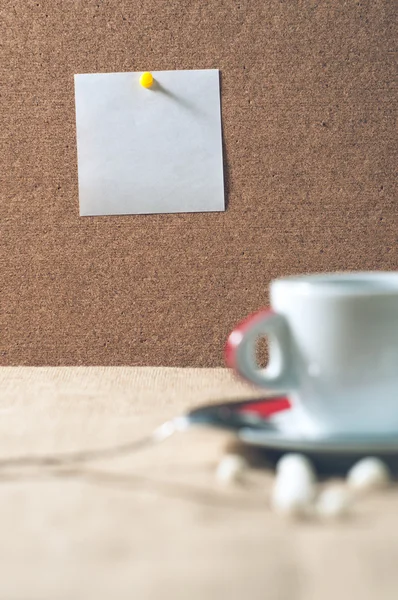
pixel 146 79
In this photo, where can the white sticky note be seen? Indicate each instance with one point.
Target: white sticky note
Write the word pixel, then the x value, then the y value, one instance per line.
pixel 156 150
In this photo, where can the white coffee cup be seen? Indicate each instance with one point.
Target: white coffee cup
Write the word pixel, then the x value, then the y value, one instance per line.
pixel 333 342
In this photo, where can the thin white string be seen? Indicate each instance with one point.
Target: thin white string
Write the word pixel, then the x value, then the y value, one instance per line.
pixel 157 436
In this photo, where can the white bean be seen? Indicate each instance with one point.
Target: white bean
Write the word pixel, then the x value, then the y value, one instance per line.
pixel 293 497
pixel 294 463
pixel 334 502
pixel 294 488
pixel 231 468
pixel 368 474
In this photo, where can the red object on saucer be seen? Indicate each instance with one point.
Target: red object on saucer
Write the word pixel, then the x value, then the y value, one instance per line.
pixel 265 408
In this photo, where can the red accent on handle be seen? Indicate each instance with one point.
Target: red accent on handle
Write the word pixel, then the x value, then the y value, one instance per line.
pixel 235 337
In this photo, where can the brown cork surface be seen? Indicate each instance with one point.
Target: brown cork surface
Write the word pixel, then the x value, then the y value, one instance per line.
pixel 308 104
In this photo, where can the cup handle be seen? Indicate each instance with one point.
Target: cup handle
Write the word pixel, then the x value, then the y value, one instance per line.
pixel 240 350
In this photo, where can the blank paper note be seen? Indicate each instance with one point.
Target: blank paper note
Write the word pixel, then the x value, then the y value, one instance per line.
pixel 156 150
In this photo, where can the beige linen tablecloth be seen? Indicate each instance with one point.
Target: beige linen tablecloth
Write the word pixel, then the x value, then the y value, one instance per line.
pixel 155 524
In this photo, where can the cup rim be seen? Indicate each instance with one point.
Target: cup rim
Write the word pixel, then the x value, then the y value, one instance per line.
pixel 385 283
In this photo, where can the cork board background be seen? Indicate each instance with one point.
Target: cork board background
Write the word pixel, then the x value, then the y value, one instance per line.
pixel 308 105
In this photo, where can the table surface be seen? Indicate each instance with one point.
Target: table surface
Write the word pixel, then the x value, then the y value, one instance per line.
pixel 155 523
